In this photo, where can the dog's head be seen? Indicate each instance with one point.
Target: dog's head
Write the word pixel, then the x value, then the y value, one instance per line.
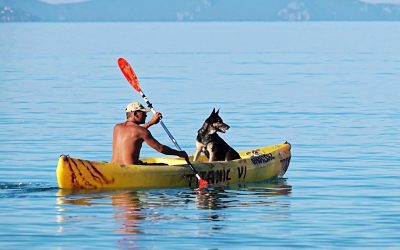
pixel 215 123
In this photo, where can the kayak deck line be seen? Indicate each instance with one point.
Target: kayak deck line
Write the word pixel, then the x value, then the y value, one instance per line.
pixel 162 172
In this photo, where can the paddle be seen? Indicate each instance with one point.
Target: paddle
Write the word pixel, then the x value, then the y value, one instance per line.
pixel 130 75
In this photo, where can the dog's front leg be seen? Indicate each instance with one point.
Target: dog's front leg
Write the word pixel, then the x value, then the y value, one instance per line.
pixel 212 157
pixel 211 152
pixel 199 148
pixel 196 154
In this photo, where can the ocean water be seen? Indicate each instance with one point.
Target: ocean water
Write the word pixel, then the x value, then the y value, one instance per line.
pixel 330 89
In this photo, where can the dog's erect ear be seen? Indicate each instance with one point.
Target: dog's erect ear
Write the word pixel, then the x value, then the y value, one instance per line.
pixel 213 112
pixel 217 112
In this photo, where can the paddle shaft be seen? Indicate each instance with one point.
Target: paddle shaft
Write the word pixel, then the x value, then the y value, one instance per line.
pixel 150 105
pixel 134 82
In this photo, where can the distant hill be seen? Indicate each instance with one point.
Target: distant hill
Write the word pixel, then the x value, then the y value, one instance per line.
pixel 197 10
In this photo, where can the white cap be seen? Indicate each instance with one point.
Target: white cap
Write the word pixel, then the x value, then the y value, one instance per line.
pixel 136 106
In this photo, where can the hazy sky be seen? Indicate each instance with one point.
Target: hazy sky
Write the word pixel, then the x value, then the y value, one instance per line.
pixel 74 1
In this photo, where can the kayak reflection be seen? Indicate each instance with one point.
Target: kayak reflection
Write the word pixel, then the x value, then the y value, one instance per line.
pixel 126 204
pixel 221 197
pixel 136 213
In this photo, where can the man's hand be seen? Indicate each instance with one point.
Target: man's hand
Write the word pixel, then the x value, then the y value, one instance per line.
pixel 154 120
pixel 184 155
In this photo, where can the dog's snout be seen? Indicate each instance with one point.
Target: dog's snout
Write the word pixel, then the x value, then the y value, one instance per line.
pixel 224 127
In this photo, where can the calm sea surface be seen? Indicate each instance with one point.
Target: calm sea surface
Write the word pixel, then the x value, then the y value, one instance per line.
pixel 331 89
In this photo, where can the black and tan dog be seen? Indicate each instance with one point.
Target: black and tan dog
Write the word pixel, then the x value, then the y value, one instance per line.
pixel 209 142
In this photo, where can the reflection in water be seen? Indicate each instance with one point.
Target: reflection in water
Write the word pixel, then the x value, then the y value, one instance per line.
pixel 136 212
pixel 127 206
pixel 82 198
pixel 128 214
pixel 244 195
pixel 235 195
pixel 128 211
pixel 213 199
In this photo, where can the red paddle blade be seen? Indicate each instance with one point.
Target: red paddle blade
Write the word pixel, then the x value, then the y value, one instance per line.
pixel 129 73
pixel 203 183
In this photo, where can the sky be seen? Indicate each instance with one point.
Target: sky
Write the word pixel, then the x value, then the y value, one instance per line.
pixel 74 1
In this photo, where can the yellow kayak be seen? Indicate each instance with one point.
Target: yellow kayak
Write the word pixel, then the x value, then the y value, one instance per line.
pixel 256 165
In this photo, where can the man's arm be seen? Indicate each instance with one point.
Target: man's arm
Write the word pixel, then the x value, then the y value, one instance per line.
pixel 152 142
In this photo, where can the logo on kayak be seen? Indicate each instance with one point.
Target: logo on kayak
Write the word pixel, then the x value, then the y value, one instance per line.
pixel 255 152
pixel 220 175
pixel 262 159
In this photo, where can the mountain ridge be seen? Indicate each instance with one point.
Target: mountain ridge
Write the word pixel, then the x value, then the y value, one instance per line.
pixel 197 10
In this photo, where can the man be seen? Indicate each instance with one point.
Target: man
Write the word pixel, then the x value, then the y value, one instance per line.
pixel 129 136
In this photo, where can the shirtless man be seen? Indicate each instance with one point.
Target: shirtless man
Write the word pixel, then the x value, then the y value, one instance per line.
pixel 129 136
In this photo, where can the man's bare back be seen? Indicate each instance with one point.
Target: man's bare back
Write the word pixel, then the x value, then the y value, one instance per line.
pixel 127 142
pixel 129 136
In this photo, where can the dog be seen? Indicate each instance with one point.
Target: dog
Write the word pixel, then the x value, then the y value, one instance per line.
pixel 210 143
